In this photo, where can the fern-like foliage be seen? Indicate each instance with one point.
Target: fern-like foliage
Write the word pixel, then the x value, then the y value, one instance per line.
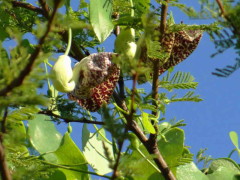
pixel 189 96
pixel 179 80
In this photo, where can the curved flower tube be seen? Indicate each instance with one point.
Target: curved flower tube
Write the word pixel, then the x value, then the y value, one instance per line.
pixel 95 77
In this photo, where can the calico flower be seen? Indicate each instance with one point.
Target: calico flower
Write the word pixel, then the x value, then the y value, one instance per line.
pixel 96 77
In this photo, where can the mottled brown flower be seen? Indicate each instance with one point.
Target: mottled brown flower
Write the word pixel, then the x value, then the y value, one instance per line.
pixel 97 79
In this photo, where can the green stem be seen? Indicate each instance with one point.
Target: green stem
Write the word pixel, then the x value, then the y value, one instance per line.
pixel 140 152
pixel 69 41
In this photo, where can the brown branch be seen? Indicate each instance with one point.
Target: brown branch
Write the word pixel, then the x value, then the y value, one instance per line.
pixel 67 120
pixel 27 6
pixel 5 173
pixel 26 71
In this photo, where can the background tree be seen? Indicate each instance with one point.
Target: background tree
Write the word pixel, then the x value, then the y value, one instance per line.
pixel 129 138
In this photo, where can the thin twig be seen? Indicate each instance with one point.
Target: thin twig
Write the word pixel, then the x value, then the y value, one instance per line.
pixel 5 173
pixel 67 120
pixel 26 71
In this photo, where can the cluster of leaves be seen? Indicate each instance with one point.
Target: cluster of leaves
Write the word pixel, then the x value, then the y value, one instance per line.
pixel 41 152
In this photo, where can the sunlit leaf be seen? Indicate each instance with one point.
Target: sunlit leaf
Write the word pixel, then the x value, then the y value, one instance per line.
pixel 234 138
pixel 100 17
pixel 43 135
pixel 190 172
pixel 94 152
pixel 223 168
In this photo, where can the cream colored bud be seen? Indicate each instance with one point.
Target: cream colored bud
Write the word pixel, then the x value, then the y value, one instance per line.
pixel 62 74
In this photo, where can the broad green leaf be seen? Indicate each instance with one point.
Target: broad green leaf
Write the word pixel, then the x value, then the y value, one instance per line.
pixel 223 169
pixel 189 172
pixel 147 124
pixel 68 154
pixel 43 135
pixel 94 152
pixel 139 168
pixel 100 18
pixel 172 146
pixel 234 138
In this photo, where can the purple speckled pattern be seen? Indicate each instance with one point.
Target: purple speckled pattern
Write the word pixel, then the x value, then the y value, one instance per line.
pixel 97 80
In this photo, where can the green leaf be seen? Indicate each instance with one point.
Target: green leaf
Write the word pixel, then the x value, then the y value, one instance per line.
pixel 223 169
pixel 100 18
pixel 234 138
pixel 43 135
pixel 190 172
pixel 68 154
pixel 172 146
pixel 94 152
pixel 147 124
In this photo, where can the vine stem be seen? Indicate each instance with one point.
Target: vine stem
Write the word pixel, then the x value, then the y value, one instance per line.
pixel 69 42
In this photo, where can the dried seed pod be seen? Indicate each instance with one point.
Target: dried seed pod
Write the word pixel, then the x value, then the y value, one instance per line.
pixel 96 78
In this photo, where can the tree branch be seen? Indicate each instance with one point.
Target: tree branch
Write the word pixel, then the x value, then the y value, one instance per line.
pixel 26 71
pixel 5 173
pixel 27 6
pixel 67 120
